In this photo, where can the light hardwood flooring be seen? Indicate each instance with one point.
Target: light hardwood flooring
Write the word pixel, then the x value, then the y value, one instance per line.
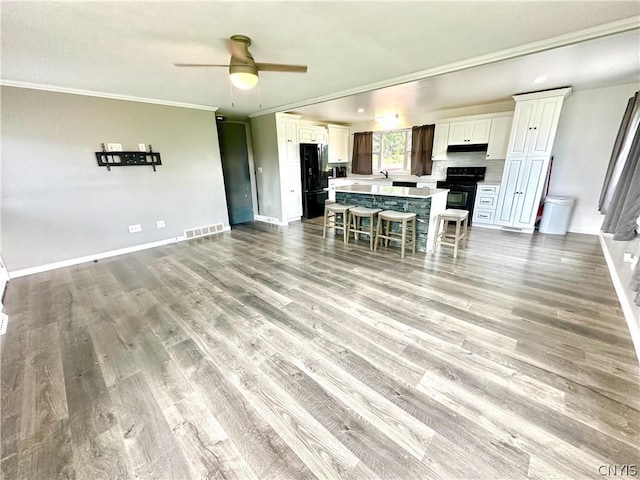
pixel 270 353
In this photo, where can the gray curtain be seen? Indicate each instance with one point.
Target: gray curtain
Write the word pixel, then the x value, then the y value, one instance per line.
pixel 624 208
pixel 361 162
pixel 623 133
pixel 421 149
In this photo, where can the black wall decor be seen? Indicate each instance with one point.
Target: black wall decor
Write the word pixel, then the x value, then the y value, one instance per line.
pixel 127 159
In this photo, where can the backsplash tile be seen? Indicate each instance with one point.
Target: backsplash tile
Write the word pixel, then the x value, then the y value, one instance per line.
pixel 468 159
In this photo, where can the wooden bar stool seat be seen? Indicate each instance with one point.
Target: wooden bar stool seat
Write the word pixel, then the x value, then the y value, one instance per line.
pixel 461 219
pixel 400 217
pixel 331 211
pixel 354 225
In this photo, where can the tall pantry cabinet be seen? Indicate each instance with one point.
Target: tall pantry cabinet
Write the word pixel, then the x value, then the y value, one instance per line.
pixel 276 153
pixel 533 131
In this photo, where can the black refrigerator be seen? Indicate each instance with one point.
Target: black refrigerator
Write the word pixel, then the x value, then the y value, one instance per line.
pixel 315 178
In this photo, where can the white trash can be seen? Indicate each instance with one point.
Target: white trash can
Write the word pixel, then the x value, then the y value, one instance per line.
pixel 556 214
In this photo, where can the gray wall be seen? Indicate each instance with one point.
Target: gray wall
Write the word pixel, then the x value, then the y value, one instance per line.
pixel 57 204
pixel 589 123
pixel 265 156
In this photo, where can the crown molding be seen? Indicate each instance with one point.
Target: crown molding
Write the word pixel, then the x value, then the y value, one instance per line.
pixel 555 92
pixel 112 96
pixel 566 39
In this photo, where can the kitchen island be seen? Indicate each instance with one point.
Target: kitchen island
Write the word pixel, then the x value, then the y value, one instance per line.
pixel 426 203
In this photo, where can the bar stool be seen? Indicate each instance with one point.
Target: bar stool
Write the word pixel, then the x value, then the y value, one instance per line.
pixel 331 210
pixel 400 217
pixel 461 218
pixel 354 224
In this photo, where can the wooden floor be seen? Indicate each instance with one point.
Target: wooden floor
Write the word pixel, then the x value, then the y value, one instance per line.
pixel 270 353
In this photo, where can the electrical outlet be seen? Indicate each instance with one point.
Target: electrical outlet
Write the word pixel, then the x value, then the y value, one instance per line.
pixel 114 147
pixel 160 224
pixel 142 147
pixel 135 228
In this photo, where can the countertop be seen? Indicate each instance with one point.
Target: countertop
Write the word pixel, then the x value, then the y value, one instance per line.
pixel 392 191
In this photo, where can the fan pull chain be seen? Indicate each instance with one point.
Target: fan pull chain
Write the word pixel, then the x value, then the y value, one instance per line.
pixel 233 103
pixel 259 97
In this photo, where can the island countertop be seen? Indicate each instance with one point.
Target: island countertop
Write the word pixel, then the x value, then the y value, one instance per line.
pixel 389 191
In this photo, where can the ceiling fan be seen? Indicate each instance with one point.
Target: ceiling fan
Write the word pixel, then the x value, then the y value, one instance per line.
pixel 243 69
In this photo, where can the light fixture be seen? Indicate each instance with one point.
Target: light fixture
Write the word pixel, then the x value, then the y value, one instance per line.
pixel 361 110
pixel 539 79
pixel 244 77
pixel 244 80
pixel 387 117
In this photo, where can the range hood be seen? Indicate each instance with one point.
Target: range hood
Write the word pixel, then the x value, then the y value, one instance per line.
pixel 468 147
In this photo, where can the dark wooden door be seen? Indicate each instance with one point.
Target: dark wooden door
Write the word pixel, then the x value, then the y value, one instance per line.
pixel 235 167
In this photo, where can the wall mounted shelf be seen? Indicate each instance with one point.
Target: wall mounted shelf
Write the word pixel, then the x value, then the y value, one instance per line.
pixel 127 159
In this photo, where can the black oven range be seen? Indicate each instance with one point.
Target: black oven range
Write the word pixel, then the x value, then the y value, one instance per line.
pixel 462 183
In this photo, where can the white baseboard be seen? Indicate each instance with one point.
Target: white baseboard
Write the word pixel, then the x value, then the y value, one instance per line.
pixel 91 258
pixel 485 225
pixel 629 308
pixel 583 231
pixel 4 279
pixel 98 256
pixel 272 220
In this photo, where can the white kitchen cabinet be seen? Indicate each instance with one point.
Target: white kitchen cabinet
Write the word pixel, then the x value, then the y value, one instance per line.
pixel 484 209
pixel 525 171
pixel 440 141
pixel 535 122
pixel 338 143
pixel 312 134
pixel 289 166
pixel 470 132
pixel 521 189
pixel 499 138
pixel 291 184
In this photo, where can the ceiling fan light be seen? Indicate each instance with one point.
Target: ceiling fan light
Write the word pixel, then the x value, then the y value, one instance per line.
pixel 244 80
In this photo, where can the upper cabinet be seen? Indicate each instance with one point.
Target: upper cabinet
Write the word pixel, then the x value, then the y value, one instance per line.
pixel 499 138
pixel 338 144
pixel 471 132
pixel 440 141
pixel 313 134
pixel 535 122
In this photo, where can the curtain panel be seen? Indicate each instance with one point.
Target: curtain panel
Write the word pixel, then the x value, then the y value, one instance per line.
pixel 609 183
pixel 361 162
pixel 422 149
pixel 624 208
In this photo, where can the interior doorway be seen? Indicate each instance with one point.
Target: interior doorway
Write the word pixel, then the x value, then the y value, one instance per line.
pixel 234 150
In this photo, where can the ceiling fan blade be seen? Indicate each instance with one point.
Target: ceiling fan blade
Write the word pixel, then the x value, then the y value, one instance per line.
pixel 277 67
pixel 199 65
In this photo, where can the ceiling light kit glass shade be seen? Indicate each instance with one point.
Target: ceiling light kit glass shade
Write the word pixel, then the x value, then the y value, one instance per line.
pixel 244 80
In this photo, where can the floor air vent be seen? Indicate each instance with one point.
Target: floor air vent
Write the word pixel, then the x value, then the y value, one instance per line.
pixel 203 231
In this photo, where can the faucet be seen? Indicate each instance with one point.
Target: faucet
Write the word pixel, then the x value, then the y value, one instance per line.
pixel 385 173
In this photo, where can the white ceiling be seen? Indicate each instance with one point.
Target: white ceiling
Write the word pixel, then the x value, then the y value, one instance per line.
pixel 607 61
pixel 128 48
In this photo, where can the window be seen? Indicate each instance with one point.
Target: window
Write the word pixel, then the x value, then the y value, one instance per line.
pixel 392 151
